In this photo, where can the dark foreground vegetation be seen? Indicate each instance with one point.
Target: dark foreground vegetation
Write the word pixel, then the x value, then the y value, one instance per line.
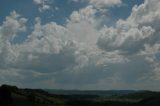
pixel 13 96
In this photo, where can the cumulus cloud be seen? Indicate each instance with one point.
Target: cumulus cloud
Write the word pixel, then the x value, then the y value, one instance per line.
pixel 8 30
pixel 101 3
pixel 13 24
pixel 78 19
pixel 42 4
pixel 104 3
pixel 80 54
pixel 152 55
pixel 130 41
pixel 132 34
pixel 138 34
pixel 55 52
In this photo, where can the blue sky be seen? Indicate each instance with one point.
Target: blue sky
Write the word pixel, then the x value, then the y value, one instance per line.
pixel 80 44
pixel 65 8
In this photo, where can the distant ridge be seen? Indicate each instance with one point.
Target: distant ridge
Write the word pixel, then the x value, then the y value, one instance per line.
pixel 91 92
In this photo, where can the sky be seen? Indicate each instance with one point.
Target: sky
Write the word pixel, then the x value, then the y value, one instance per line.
pixel 80 44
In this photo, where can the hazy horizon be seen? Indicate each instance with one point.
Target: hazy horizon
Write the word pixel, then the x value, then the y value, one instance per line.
pixel 80 44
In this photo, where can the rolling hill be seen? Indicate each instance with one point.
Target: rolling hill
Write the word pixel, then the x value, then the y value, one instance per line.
pixel 14 96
